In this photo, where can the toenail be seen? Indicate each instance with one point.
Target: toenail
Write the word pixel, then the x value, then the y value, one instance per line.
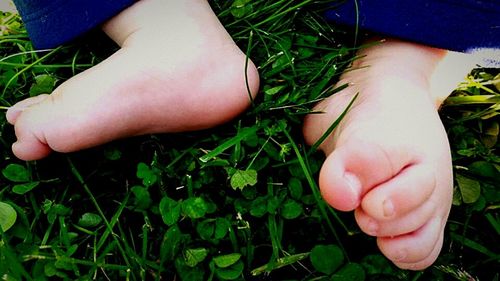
pixel 372 228
pixel 400 255
pixel 388 208
pixel 19 107
pixel 354 184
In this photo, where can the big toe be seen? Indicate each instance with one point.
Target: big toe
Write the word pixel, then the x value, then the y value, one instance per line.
pixel 14 111
pixel 29 119
pixel 356 167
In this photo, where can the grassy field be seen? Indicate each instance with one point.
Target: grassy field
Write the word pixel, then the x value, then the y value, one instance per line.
pixel 237 202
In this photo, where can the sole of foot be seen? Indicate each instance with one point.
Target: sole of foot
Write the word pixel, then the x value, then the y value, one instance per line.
pixel 177 70
pixel 388 160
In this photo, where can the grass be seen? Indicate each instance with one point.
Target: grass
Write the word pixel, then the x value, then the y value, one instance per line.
pixel 237 202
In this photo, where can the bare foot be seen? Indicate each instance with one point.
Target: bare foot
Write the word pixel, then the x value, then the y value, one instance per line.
pixel 389 159
pixel 177 70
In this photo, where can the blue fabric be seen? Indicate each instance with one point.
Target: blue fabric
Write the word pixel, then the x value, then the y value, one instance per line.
pixel 53 22
pixel 459 25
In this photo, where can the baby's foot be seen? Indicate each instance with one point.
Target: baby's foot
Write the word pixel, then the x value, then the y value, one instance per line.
pixel 177 70
pixel 389 159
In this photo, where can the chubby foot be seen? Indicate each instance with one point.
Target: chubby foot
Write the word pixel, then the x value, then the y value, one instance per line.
pixel 177 70
pixel 389 159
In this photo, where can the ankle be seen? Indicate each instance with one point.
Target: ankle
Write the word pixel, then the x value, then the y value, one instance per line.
pixel 184 26
pixel 393 58
pixel 436 71
pixel 448 73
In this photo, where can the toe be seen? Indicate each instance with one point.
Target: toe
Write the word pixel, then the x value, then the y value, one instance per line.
pixel 340 188
pixel 14 111
pixel 31 143
pixel 402 225
pixel 354 168
pixel 403 193
pixel 427 261
pixel 29 149
pixel 417 249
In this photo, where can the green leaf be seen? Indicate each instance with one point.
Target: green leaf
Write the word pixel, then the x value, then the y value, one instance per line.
pixel 71 250
pixel 490 135
pixel 63 263
pixel 457 197
pixel 240 8
pixel 53 210
pixel 241 178
pixel 192 257
pixel 24 187
pixel 273 203
pixel 230 273
pixel 295 188
pixel 274 90
pixel 187 273
pixel 60 210
pixel 326 258
pixel 149 176
pixel 469 189
pixel 205 229
pixel 170 244
pixel 8 216
pixel 89 220
pixel 8 75
pixel 170 210
pixel 226 260
pixel 350 272
pixel 194 207
pixel 16 173
pixel 308 199
pixel 44 84
pixel 221 228
pixel 50 269
pixel 291 209
pixel 485 169
pixel 377 264
pixel 112 154
pixel 142 200
pixel 258 208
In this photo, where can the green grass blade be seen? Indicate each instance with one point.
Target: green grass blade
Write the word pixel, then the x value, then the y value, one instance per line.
pixel 494 222
pixel 79 177
pixel 242 134
pixel 334 125
pixel 27 68
pixel 315 190
pixel 279 263
pixel 473 245
pixel 247 59
pixel 472 100
pixel 113 222
pixel 8 257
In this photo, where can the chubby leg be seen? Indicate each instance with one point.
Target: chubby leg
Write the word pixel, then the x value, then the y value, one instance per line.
pixel 177 70
pixel 389 159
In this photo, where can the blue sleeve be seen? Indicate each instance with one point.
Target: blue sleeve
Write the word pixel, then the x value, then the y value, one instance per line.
pixel 53 22
pixel 459 25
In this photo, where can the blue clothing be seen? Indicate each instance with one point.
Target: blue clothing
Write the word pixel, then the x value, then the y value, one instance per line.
pixel 53 22
pixel 458 25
